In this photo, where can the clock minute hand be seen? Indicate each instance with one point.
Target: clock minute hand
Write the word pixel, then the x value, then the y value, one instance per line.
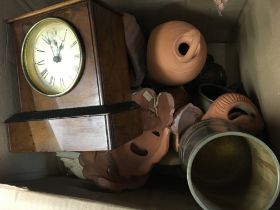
pixel 62 43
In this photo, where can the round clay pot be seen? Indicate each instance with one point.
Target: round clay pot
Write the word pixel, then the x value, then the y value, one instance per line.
pixel 239 110
pixel 176 53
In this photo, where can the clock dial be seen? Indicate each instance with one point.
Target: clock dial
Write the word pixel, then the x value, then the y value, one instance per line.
pixel 52 57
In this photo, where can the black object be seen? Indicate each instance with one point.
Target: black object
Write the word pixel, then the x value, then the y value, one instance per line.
pixel 212 73
pixel 73 112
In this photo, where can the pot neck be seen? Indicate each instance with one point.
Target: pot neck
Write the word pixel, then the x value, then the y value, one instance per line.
pixel 187 46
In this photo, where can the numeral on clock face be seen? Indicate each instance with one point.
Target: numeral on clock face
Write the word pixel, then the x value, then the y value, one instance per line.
pixel 62 83
pixel 52 81
pixel 73 44
pixel 44 73
pixel 76 68
pixel 40 50
pixel 42 62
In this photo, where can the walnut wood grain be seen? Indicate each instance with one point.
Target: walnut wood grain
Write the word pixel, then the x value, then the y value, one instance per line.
pixel 44 10
pixel 19 138
pixel 71 134
pixel 111 54
pixel 124 126
pixel 105 80
pixel 86 92
pixel 75 134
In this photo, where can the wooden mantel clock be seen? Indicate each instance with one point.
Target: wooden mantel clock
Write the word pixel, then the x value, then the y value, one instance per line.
pixel 73 80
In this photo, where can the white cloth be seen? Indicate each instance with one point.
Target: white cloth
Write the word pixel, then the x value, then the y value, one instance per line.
pixel 71 161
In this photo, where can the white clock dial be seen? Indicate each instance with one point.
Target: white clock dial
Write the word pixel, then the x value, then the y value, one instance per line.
pixel 52 57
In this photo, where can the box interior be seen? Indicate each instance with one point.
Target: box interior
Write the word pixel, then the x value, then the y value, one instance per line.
pixel 243 40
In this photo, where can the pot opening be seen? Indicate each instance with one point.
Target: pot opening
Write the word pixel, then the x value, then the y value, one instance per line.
pixel 235 113
pixel 234 172
pixel 183 48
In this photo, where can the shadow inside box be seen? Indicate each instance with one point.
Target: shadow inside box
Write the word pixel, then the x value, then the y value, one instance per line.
pixel 162 191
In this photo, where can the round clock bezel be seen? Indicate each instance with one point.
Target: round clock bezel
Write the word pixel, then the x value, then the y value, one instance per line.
pixel 31 75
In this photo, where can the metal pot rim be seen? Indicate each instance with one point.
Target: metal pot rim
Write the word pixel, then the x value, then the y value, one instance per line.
pixel 229 133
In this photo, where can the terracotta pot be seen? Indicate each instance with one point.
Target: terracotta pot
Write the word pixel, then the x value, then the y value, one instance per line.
pixel 176 53
pixel 238 109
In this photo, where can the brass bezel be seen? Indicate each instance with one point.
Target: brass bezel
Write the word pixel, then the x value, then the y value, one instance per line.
pixel 28 65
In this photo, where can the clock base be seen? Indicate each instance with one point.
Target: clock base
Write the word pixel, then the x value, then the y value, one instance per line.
pixel 77 133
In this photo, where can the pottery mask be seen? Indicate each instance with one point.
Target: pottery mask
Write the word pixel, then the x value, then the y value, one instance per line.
pixel 128 166
pixel 239 110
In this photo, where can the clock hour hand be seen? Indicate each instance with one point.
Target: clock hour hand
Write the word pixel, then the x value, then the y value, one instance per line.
pixel 46 39
pixel 49 42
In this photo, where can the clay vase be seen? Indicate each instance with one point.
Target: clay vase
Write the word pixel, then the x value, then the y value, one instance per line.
pixel 176 53
pixel 237 109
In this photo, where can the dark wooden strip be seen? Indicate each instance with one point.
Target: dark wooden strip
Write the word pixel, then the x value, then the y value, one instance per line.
pixel 45 10
pixel 73 112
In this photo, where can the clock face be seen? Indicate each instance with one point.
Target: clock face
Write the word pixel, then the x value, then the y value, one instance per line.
pixel 52 57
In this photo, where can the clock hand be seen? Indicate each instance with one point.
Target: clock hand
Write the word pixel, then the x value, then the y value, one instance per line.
pixel 57 58
pixel 62 43
pixel 48 41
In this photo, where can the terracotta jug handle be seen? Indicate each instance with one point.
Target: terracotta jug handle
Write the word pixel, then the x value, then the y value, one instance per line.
pixel 192 38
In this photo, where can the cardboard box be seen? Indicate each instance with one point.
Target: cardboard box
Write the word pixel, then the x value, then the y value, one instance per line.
pixel 244 40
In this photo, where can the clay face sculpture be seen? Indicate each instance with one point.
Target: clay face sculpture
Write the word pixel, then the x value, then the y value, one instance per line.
pixel 128 166
pixel 176 53
pixel 239 110
pixel 137 157
pixel 146 98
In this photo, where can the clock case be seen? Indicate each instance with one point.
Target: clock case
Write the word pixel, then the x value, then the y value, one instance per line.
pixel 97 114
